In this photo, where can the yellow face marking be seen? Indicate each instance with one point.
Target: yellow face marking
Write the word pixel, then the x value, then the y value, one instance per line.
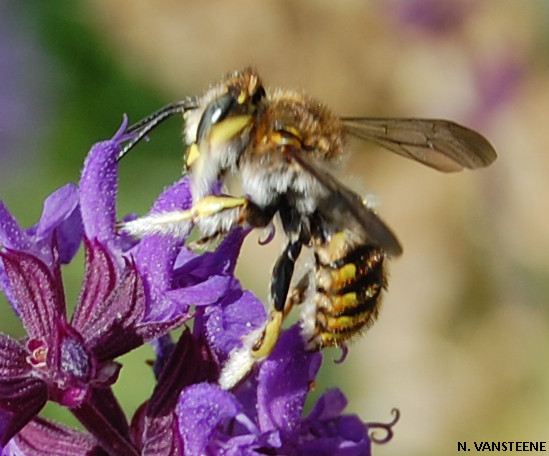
pixel 227 129
pixel 270 336
pixel 192 155
pixel 242 97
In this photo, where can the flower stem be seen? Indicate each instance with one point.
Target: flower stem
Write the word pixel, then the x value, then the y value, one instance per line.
pixel 108 437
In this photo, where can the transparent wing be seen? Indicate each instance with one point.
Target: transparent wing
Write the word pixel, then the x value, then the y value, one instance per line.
pixel 344 203
pixel 440 144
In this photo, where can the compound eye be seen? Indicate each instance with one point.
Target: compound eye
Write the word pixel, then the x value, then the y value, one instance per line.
pixel 214 113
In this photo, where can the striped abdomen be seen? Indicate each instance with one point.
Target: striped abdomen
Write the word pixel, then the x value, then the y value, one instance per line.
pixel 349 281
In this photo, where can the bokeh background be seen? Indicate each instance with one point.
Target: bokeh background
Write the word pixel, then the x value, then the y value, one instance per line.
pixel 461 346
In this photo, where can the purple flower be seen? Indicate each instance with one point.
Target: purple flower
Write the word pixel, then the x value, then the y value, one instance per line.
pixel 264 416
pixel 221 319
pixel 72 362
pixel 135 292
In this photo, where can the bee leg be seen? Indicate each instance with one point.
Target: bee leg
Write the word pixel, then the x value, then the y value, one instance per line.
pixel 280 284
pixel 296 295
pixel 259 217
pixel 283 271
pixel 259 344
pixel 212 214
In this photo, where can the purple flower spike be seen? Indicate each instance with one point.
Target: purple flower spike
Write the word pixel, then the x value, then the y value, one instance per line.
pixel 39 298
pixel 138 292
pixel 72 363
pixel 55 353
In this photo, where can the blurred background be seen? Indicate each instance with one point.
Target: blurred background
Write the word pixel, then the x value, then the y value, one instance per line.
pixel 462 341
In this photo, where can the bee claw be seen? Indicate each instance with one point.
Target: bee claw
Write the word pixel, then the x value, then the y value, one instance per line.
pixel 271 231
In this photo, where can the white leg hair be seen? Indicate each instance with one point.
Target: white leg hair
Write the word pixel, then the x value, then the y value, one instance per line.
pixel 212 214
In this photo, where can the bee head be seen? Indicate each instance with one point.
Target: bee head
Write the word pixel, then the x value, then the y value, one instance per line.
pixel 225 111
pixel 239 96
pixel 219 129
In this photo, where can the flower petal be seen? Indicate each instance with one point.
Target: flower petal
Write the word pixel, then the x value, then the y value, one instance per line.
pixel 115 324
pixel 343 436
pixel 39 301
pixel 11 234
pixel 20 400
pixel 5 285
pixel 162 437
pixel 284 381
pixel 12 358
pixel 99 281
pixel 189 362
pixel 61 217
pixel 98 189
pixel 110 329
pixel 16 381
pixel 156 254
pixel 201 409
pixel 329 405
pixel 44 438
pixel 204 293
pixel 59 227
pixel 191 268
pixel 237 315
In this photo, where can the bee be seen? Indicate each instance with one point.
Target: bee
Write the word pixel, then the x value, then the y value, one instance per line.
pixel 281 144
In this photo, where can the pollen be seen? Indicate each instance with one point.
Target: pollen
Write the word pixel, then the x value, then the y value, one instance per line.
pixel 39 353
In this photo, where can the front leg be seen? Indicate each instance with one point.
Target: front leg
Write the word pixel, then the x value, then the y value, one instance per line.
pixel 212 214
